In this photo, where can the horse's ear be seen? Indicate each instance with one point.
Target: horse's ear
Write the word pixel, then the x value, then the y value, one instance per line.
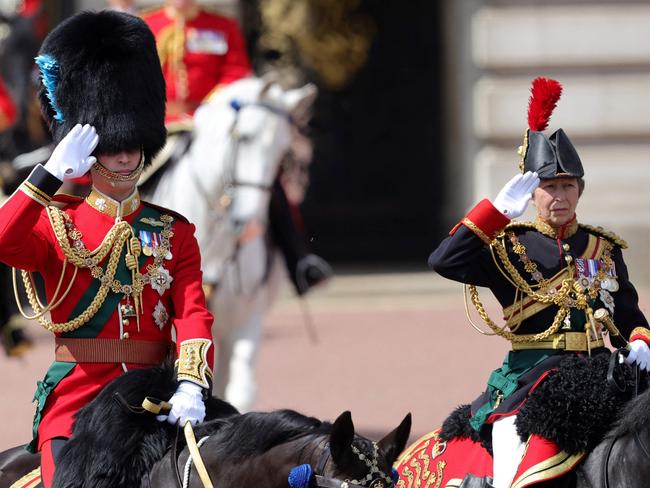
pixel 299 101
pixel 341 437
pixel 395 442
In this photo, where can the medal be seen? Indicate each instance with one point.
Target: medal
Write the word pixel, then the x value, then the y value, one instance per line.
pixel 146 240
pixel 610 284
pixel 160 315
pixel 161 280
pixel 127 310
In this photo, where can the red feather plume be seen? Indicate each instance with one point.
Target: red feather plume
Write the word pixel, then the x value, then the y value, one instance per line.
pixel 544 94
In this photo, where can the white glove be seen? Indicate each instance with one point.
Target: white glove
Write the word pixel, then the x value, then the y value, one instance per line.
pixel 187 405
pixel 71 157
pixel 513 198
pixel 639 353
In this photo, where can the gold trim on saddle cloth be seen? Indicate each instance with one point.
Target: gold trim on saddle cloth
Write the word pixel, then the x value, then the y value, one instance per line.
pixel 566 341
pixel 30 480
pixel 193 362
pixel 547 469
pixel 527 307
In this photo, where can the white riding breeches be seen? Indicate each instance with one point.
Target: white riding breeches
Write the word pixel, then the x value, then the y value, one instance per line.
pixel 508 450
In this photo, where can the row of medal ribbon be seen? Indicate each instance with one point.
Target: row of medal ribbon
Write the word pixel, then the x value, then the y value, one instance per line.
pixel 151 241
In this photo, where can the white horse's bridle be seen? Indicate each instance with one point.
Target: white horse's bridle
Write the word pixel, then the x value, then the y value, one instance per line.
pixel 229 182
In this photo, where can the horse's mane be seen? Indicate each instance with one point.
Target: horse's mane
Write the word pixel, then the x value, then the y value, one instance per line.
pixel 254 433
pixel 634 416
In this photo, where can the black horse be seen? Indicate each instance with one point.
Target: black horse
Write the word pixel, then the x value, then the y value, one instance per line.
pixel 115 445
pixel 622 459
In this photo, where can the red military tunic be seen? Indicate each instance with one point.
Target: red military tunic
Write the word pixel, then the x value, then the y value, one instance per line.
pixel 7 107
pixel 28 241
pixel 198 53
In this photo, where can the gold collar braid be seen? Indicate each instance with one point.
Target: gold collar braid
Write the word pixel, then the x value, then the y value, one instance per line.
pixel 106 205
pixel 563 232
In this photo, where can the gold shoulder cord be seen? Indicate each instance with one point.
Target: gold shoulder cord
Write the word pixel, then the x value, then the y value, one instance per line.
pixel 561 298
pixel 114 242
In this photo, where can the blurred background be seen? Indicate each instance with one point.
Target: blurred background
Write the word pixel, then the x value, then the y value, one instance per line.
pixel 418 122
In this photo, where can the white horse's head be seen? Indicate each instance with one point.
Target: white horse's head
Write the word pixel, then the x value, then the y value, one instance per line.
pixel 240 137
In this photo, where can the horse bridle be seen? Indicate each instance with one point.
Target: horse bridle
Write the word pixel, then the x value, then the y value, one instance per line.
pixel 382 481
pixel 230 181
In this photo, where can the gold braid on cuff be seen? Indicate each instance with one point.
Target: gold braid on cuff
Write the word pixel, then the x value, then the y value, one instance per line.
pixel 192 362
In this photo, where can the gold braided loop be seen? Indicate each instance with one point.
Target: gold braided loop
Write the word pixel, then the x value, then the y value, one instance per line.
pixel 113 244
pixel 92 309
pixel 570 294
pixel 80 257
pixel 558 298
pixel 501 332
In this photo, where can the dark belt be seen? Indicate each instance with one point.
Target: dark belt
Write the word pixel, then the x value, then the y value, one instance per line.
pixel 109 351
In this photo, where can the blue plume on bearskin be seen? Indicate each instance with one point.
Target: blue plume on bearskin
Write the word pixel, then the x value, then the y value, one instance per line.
pixel 49 68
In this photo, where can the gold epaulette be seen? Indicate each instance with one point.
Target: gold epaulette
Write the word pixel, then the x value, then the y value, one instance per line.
pixel 600 232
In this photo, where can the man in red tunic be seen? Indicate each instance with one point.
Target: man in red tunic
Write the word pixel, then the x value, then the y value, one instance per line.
pixel 119 273
pixel 199 51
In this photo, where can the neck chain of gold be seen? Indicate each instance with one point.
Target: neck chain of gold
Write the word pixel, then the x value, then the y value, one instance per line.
pixel 112 176
pixel 120 235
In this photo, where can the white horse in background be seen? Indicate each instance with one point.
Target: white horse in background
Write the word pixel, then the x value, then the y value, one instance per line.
pixel 222 184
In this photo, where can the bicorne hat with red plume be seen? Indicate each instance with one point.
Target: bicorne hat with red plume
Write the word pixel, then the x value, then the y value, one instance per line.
pixel 549 157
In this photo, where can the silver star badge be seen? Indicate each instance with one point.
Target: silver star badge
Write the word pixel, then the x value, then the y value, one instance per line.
pixel 161 281
pixel 160 315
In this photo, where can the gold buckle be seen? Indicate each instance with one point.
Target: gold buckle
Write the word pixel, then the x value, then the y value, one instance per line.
pixel 575 341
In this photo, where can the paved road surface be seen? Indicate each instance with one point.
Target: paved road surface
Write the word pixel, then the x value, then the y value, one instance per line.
pixel 388 344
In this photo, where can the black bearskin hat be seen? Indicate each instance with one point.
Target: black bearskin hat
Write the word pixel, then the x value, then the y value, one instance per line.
pixel 102 68
pixel 554 156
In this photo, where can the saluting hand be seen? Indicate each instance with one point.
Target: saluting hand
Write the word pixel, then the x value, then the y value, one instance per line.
pixel 71 157
pixel 513 198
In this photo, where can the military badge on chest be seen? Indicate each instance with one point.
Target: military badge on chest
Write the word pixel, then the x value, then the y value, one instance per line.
pixel 206 41
pixel 598 278
pixel 160 315
pixel 158 245
pixel 152 244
